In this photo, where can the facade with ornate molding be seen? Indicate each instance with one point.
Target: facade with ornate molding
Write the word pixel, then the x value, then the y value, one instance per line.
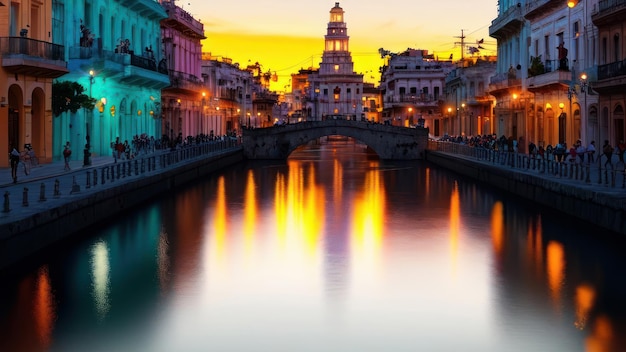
pixel 610 83
pixel 335 89
pixel 412 84
pixel 547 58
pixel 182 113
pixel 114 51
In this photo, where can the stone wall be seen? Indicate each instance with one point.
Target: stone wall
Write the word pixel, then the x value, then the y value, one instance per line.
pixel 602 209
pixel 30 235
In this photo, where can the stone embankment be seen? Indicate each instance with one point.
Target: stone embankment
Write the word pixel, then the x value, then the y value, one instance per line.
pixel 598 203
pixel 27 231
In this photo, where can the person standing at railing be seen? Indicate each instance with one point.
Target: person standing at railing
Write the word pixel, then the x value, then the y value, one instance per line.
pixel 581 151
pixel 607 151
pixel 591 151
pixel 559 152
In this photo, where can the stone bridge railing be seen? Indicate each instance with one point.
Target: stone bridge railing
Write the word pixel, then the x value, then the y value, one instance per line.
pixel 389 142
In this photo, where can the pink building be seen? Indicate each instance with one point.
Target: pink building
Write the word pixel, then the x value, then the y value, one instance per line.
pixel 182 102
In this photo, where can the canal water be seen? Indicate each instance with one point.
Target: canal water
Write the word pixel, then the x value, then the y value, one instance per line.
pixel 332 250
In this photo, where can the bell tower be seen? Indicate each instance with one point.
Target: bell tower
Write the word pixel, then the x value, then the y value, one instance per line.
pixel 338 89
pixel 336 58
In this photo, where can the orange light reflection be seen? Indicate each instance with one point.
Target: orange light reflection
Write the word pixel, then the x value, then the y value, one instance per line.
pixel 368 217
pixel 44 309
pixel 497 227
pixel 250 211
pixel 584 300
pixel 556 266
pixel 602 336
pixel 299 209
pixel 218 222
pixel 280 209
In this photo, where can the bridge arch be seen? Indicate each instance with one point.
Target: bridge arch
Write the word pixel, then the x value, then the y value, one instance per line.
pixel 389 142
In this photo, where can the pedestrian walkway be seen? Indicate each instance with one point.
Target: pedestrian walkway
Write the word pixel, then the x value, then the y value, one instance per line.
pixel 43 171
pixel 595 177
pixel 48 185
pixel 35 192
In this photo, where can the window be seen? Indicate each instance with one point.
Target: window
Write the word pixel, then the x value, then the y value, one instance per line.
pixel 58 19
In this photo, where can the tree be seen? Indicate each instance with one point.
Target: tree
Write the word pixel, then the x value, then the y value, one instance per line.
pixel 69 96
pixel 536 66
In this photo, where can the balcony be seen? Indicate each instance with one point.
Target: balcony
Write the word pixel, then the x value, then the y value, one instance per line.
pixel 609 11
pixel 549 80
pixel 424 100
pixel 535 8
pixel 150 9
pixel 132 69
pixel 508 23
pixel 183 21
pixel 32 57
pixel 185 82
pixel 501 84
pixel 611 78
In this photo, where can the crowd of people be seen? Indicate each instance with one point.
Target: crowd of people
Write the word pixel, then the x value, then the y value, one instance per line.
pixel 144 144
pixel 577 153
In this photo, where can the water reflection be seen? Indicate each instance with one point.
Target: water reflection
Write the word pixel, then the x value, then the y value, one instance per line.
pixel 332 250
pixel 100 278
pixel 44 308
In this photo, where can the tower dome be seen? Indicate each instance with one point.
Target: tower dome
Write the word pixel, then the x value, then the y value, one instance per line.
pixel 336 13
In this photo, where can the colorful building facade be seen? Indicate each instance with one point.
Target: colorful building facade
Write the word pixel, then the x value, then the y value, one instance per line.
pixel 114 51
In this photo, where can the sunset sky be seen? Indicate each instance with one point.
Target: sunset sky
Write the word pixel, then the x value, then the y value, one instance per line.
pixel 287 35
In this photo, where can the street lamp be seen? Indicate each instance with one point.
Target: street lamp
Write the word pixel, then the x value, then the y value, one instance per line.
pixel 584 84
pixel 239 118
pixel 203 126
pixel 258 117
pixel 88 124
pixel 410 116
pixel 449 122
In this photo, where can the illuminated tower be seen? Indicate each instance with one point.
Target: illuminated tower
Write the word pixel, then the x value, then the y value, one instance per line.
pixel 337 89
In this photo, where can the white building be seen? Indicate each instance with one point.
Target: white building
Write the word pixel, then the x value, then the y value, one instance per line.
pixel 336 89
pixel 539 95
pixel 468 107
pixel 412 84
pixel 227 104
pixel 610 82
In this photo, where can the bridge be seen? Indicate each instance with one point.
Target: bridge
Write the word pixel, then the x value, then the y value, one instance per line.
pixel 389 142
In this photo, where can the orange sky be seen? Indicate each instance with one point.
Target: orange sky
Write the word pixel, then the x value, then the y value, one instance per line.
pixel 285 36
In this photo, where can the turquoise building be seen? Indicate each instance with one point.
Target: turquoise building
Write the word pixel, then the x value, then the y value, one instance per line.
pixel 113 49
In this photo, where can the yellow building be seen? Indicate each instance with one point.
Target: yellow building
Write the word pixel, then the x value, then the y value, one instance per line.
pixel 30 61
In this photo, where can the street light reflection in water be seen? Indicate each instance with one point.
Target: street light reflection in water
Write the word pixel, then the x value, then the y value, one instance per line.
pixel 332 250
